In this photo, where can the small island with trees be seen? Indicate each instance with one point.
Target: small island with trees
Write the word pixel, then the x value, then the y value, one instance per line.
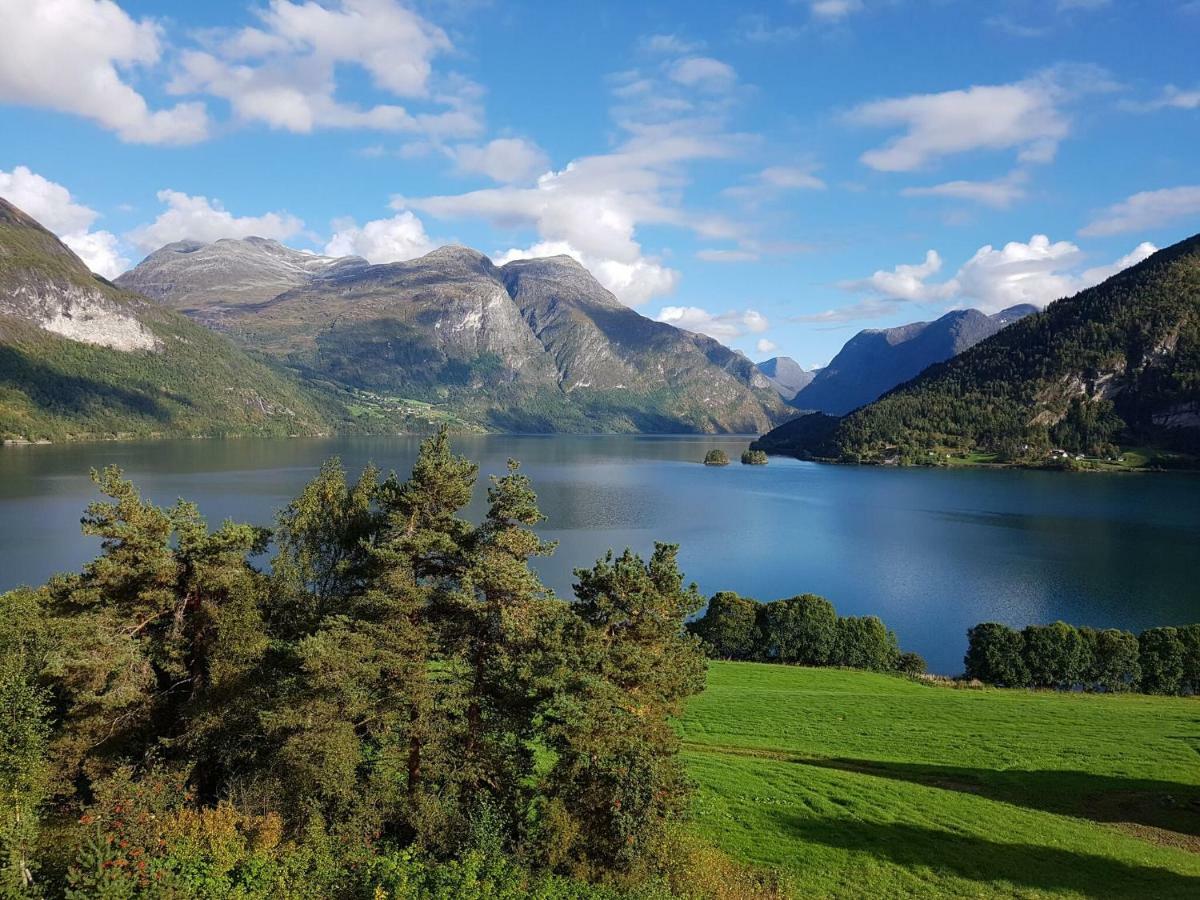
pixel 716 458
pixel 754 458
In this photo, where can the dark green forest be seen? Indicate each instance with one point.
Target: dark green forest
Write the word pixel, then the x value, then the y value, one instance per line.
pixel 395 706
pixel 1117 365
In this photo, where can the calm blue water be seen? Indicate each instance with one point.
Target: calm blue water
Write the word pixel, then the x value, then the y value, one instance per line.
pixel 930 551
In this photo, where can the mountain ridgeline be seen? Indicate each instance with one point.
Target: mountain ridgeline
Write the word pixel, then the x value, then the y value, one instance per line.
pixel 252 337
pixel 81 358
pixel 534 345
pixel 876 360
pixel 1117 365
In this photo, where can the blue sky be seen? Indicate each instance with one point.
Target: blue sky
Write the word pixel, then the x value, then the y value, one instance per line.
pixel 779 175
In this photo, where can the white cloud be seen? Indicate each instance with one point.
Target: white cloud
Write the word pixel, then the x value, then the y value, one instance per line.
pixel 723 326
pixel 1147 210
pixel 703 72
pixel 201 219
pixel 905 282
pixel 1036 272
pixel 669 44
pixel 1000 193
pixel 765 346
pixel 633 283
pixel 773 181
pixel 399 238
pixel 284 73
pixel 505 160
pixel 834 10
pixel 1025 116
pixel 74 56
pixel 54 208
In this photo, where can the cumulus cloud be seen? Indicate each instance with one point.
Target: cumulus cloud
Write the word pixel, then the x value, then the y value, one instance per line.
pixel 1000 193
pixel 399 238
pixel 669 44
pixel 505 160
pixel 724 327
pixel 54 207
pixel 75 56
pixel 1146 210
pixel 1036 272
pixel 201 219
pixel 1025 116
pixel 633 282
pixel 765 346
pixel 284 71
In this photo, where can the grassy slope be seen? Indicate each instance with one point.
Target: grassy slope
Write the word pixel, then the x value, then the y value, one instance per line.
pixel 870 785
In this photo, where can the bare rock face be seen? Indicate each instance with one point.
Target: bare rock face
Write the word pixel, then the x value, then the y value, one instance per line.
pixel 536 344
pixel 786 375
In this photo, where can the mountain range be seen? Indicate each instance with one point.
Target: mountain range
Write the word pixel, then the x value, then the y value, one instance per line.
pixel 876 360
pixel 1116 365
pixel 249 336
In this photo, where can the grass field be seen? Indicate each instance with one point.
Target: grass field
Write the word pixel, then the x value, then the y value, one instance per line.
pixel 865 785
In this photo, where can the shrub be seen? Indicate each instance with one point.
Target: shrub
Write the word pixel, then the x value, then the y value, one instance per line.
pixel 994 655
pixel 754 458
pixel 1055 655
pixel 1189 636
pixel 1114 659
pixel 800 630
pixel 911 664
pixel 716 458
pixel 863 642
pixel 728 626
pixel 1161 654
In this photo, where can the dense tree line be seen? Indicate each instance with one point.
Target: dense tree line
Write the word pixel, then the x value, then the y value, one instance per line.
pixel 396 707
pixel 804 630
pixel 1061 656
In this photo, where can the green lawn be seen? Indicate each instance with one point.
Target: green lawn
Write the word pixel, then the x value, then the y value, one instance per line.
pixel 865 785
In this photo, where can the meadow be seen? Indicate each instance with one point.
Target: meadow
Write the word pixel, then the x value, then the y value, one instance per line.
pixel 857 784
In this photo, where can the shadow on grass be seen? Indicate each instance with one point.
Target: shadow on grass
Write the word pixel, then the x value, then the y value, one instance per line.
pixel 977 859
pixel 1155 804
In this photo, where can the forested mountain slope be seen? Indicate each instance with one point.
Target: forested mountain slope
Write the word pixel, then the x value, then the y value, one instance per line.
pixel 1117 364
pixel 82 358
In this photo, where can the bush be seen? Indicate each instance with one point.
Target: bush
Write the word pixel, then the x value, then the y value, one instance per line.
pixel 1055 655
pixel 1114 660
pixel 1189 636
pixel 716 458
pixel 729 626
pixel 1161 654
pixel 754 458
pixel 994 655
pixel 863 642
pixel 911 664
pixel 801 630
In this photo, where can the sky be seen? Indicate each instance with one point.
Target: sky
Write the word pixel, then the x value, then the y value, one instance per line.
pixel 778 175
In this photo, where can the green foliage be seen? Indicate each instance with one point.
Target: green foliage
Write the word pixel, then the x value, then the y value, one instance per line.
pixel 1161 658
pixel 1054 655
pixel 728 627
pixel 995 655
pixel 754 458
pixel 1114 660
pixel 399 701
pixel 716 458
pixel 909 663
pixel 802 630
pixel 864 642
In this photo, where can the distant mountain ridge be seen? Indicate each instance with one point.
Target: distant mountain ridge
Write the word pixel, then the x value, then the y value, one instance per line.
pixel 876 360
pixel 534 345
pixel 787 375
pixel 1116 364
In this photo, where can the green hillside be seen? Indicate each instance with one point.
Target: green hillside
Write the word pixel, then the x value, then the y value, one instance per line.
pixel 1115 366
pixel 865 785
